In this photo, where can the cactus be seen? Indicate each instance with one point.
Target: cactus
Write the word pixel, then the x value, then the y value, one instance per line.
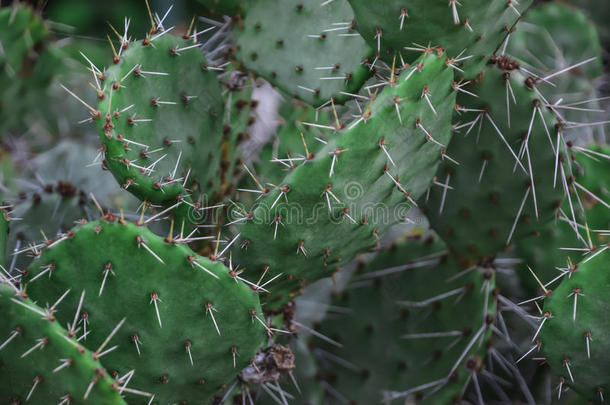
pixel 191 324
pixel 572 331
pixel 552 247
pixel 503 148
pixel 552 37
pixel 41 362
pixel 327 188
pixel 469 31
pixel 160 117
pixel 422 325
pixel 302 50
pixel 428 171
pixel 23 30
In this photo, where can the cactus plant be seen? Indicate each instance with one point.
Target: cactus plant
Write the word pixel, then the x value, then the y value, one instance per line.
pixel 309 50
pixel 571 331
pixel 42 362
pixel 327 187
pixel 220 330
pixel 469 31
pixel 154 113
pixel 422 322
pixel 506 149
pixel 417 167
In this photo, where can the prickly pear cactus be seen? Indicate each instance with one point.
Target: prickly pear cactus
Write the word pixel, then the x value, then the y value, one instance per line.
pixel 22 30
pixel 557 247
pixel 160 120
pixel 509 177
pixel 190 324
pixel 469 31
pixel 410 306
pixel 401 133
pixel 557 38
pixel 309 50
pixel 264 146
pixel 42 363
pixel 572 328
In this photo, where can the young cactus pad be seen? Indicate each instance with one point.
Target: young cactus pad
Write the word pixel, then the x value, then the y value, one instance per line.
pixel 414 327
pixel 300 48
pixel 40 363
pixel 470 31
pixel 574 329
pixel 340 204
pixel 191 325
pixel 161 119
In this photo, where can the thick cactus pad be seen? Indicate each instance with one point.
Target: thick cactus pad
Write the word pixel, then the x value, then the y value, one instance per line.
pixel 333 206
pixel 41 364
pixel 191 324
pixel 574 334
pixel 506 184
pixel 161 120
pixel 553 35
pixel 306 49
pixel 469 31
pixel 414 328
pixel 556 247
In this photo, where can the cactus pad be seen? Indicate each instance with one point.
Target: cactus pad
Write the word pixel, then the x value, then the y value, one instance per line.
pixel 340 205
pixel 573 336
pixel 414 327
pixel 469 31
pixel 161 120
pixel 41 364
pixel 306 49
pixel 191 325
pixel 504 187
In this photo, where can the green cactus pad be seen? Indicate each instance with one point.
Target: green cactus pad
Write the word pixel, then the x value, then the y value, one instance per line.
pixel 177 305
pixel 306 49
pixel 552 37
pixel 161 119
pixel 334 206
pixel 487 207
pixel 397 303
pixel 33 349
pixel 21 30
pixel 573 336
pixel 473 29
pixel 545 250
